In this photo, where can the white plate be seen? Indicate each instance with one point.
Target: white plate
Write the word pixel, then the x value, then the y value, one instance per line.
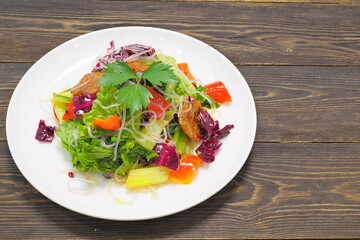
pixel 45 165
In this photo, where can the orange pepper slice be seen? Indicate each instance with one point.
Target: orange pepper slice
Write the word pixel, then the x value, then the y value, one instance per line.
pixel 184 67
pixel 111 123
pixel 186 171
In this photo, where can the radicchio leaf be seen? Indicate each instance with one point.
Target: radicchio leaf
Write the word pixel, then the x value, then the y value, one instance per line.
pixel 210 129
pixel 83 104
pixel 168 157
pixel 210 132
pixel 207 149
pixel 44 133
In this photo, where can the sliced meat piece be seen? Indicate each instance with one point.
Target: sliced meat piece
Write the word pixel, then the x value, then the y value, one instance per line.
pixel 87 84
pixel 188 119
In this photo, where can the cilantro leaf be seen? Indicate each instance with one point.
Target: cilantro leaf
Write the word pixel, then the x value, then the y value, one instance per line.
pixel 134 96
pixel 116 73
pixel 159 72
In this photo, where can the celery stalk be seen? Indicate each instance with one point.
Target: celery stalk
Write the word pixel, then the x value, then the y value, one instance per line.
pixel 180 139
pixel 144 177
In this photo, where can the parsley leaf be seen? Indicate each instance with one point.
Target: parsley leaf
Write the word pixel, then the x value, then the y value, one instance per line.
pixel 135 97
pixel 159 72
pixel 116 73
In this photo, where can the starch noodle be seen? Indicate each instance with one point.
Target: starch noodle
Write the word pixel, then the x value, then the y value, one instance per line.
pixel 119 135
pixel 103 143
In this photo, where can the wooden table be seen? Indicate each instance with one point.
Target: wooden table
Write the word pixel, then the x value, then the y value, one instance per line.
pixel 302 63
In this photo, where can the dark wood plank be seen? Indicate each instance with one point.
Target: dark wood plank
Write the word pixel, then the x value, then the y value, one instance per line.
pixel 260 34
pixel 269 1
pixel 10 76
pixel 306 104
pixel 294 104
pixel 285 190
pixel 301 1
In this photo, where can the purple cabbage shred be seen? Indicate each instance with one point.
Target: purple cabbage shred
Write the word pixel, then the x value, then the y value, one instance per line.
pixel 207 149
pixel 83 104
pixel 210 129
pixel 168 156
pixel 210 132
pixel 223 132
pixel 122 54
pixel 45 133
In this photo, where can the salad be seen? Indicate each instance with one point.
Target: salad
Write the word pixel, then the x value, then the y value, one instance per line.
pixel 139 116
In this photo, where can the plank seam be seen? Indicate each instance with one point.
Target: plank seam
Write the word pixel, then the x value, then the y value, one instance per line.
pixel 242 64
pixel 246 2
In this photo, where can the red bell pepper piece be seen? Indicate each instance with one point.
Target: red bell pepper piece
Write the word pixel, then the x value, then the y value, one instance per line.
pixel 218 92
pixel 158 103
pixel 69 113
pixel 186 170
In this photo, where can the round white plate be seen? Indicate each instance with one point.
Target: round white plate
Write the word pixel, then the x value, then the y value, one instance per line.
pixel 45 165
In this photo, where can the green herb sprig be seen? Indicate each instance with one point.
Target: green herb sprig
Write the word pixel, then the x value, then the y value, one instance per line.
pixel 136 96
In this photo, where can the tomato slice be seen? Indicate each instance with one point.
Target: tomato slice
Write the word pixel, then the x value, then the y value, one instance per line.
pixel 186 171
pixel 218 92
pixel 158 103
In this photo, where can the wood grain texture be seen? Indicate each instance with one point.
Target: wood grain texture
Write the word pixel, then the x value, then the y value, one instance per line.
pixel 301 59
pixel 10 77
pixel 268 1
pixel 278 194
pixel 258 34
pixel 294 104
pixel 306 104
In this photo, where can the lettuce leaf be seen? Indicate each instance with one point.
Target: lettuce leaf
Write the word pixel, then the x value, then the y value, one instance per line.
pixel 184 86
pixel 156 129
pixel 87 154
pixel 106 98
